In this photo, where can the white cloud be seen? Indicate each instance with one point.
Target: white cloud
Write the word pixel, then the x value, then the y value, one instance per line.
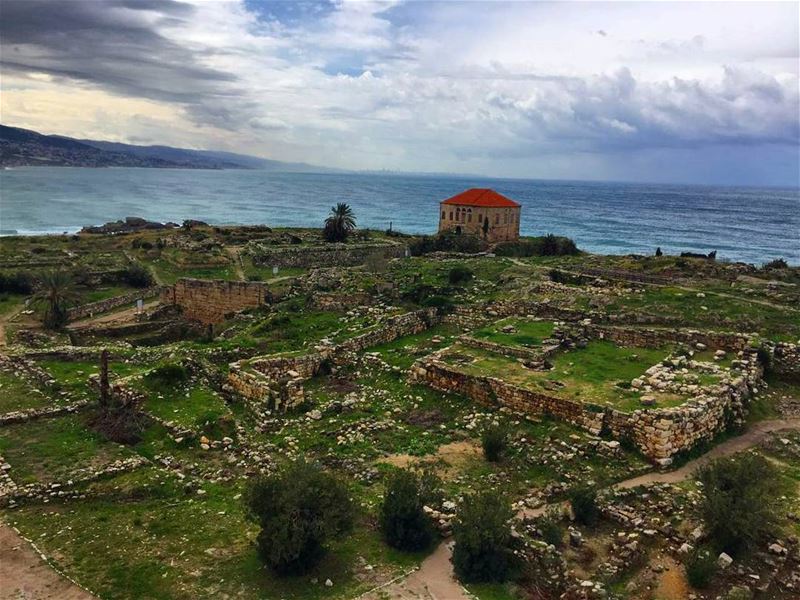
pixel 451 86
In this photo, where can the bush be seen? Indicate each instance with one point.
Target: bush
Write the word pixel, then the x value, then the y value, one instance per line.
pixel 551 528
pixel 778 263
pixel 447 242
pixel 549 245
pixel 169 375
pixel 482 539
pixel 18 282
pixel 299 509
pixel 459 274
pixel 138 275
pixel 442 304
pixel 700 568
pixel 740 504
pixel 494 441
pixel 583 500
pixel 404 524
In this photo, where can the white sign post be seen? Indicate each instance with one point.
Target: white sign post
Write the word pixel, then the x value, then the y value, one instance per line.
pixel 139 305
pixel 275 270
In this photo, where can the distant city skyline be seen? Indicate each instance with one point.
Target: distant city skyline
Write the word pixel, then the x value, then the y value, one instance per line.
pixel 627 91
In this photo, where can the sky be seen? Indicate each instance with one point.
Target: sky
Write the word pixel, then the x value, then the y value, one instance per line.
pixel 673 92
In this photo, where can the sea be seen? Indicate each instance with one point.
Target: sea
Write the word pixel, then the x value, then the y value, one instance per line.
pixel 747 224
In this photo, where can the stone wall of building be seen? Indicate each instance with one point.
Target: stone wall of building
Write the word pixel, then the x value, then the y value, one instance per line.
pixel 658 433
pixel 327 255
pixel 101 306
pixel 503 222
pixel 655 338
pixel 209 301
pixel 528 354
pixel 276 381
pixel 786 360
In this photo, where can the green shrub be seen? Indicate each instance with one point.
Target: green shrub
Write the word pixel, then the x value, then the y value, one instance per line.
pixel 494 441
pixel 404 524
pixel 442 304
pixel 447 242
pixel 483 538
pixel 459 274
pixel 778 263
pixel 299 509
pixel 700 568
pixel 169 375
pixel 741 501
pixel 549 245
pixel 137 275
pixel 583 500
pixel 551 528
pixel 18 282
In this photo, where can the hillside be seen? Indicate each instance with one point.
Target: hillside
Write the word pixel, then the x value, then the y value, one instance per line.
pixel 23 147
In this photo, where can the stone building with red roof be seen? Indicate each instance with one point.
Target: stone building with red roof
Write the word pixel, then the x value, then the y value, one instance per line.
pixel 482 212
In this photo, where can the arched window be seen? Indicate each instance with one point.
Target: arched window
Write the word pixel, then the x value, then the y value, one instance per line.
pixel 451 215
pixel 497 219
pixel 443 215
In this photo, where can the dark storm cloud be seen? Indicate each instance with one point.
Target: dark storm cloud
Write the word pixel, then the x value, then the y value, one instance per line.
pixel 112 43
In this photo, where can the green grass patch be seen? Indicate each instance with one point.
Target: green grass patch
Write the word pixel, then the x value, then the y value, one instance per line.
pixel 528 333
pixel 48 449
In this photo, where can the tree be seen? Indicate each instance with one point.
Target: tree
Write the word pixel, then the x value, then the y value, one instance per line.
pixel 55 293
pixel 137 275
pixel 658 251
pixel 740 505
pixel 494 441
pixel 485 227
pixel 300 509
pixel 483 538
pixel 339 224
pixel 403 521
pixel 583 500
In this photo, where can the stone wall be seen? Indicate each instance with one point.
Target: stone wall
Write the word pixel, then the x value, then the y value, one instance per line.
pixel 327 255
pixel 529 354
pixel 494 392
pixel 209 301
pixel 659 433
pixel 101 306
pixel 275 382
pixel 786 359
pixel 655 338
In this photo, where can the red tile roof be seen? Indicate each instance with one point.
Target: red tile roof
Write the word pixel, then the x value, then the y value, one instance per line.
pixel 481 197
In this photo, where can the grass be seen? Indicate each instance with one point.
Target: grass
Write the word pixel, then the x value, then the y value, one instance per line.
pixel 403 351
pixel 187 406
pixel 48 449
pixel 74 376
pixel 19 394
pixel 589 374
pixel 528 333
pixel 10 302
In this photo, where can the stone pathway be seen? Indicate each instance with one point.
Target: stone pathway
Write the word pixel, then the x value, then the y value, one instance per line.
pixel 24 575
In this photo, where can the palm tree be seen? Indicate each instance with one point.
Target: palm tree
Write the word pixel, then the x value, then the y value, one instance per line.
pixel 340 223
pixel 55 293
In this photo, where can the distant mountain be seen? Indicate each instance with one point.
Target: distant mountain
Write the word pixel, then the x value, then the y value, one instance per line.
pixel 23 147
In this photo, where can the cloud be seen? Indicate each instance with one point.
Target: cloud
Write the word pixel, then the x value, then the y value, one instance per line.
pixel 419 86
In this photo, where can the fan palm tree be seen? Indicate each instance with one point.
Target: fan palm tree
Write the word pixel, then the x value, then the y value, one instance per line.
pixel 340 223
pixel 55 293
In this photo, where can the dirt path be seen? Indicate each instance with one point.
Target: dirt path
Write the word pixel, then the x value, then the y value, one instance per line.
pixel 7 318
pixel 236 257
pixel 434 580
pixel 24 575
pixel 749 438
pixel 120 316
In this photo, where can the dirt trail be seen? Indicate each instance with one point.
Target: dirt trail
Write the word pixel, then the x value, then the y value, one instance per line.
pixel 236 257
pixel 434 580
pixel 24 575
pixel 6 318
pixel 120 316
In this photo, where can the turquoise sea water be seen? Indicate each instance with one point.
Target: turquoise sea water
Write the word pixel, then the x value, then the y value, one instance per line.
pixel 748 224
